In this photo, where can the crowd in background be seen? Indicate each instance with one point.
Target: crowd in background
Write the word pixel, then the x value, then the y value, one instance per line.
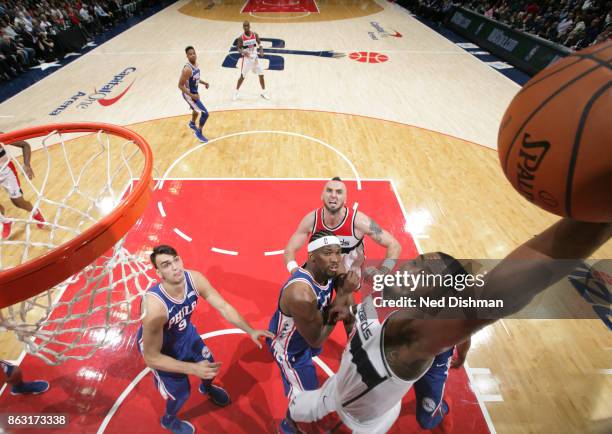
pixel 573 23
pixel 30 29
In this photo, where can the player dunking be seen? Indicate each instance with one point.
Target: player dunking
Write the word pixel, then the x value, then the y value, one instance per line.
pixel 188 85
pixel 9 180
pixel 250 47
pixel 384 359
pixel 171 345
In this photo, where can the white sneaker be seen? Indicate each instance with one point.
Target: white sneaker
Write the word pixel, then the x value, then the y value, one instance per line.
pixel 236 96
pixel 265 95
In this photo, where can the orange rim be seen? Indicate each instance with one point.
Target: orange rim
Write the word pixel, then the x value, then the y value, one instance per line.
pixel 43 272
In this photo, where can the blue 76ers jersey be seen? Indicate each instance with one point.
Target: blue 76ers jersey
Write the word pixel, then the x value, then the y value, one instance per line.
pixel 178 330
pixel 194 79
pixel 288 340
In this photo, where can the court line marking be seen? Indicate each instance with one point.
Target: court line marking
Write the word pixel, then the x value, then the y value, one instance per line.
pixel 182 235
pixel 270 179
pixel 292 17
pixel 336 49
pixel 481 370
pixel 128 389
pixel 160 184
pixel 483 407
pixel 492 398
pixel 323 366
pixel 255 132
pixel 224 252
pixel 274 252
pixel 480 398
pixel 160 207
pixel 605 371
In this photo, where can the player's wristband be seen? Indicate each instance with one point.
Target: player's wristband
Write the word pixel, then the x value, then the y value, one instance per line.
pixel 292 265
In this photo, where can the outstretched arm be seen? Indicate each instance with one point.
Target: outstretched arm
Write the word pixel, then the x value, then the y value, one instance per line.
pixel 212 296
pixel 27 154
pixel 524 273
pixel 369 227
pixel 297 240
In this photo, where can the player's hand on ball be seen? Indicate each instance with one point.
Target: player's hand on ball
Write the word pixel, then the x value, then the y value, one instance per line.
pixel 257 334
pixel 206 370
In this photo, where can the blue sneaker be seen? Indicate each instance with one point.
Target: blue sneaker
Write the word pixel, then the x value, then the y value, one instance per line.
pixel 177 426
pixel 30 388
pixel 200 136
pixel 192 125
pixel 217 395
pixel 286 427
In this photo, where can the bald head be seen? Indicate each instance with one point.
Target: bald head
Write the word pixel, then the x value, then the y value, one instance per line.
pixel 334 195
pixel 246 26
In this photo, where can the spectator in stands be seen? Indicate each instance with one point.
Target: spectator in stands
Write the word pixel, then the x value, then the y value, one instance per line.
pixel 575 23
pixel 593 29
pixel 566 24
pixel 15 56
pixel 105 17
pixel 551 33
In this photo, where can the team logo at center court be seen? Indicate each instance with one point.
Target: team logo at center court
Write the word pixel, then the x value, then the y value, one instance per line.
pixel 381 32
pixel 105 95
pixel 273 54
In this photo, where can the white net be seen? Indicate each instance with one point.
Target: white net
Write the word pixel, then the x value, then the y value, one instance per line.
pixel 76 184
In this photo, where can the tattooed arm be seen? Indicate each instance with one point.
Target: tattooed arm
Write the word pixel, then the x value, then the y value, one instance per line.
pixel 368 226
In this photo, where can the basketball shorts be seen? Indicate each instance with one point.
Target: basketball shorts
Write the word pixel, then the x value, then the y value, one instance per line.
pixel 195 105
pixel 172 385
pixel 9 180
pixel 298 371
pixel 429 391
pixel 248 64
pixel 318 411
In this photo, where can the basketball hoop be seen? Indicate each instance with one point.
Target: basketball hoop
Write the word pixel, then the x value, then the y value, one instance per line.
pixel 82 241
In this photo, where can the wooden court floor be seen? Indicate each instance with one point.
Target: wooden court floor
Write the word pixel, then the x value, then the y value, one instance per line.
pixel 545 375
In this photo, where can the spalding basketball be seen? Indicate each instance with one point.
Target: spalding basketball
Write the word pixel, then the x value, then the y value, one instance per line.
pixel 555 139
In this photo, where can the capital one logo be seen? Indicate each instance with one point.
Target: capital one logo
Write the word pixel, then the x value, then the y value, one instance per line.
pixel 274 49
pixel 106 95
pixel 381 32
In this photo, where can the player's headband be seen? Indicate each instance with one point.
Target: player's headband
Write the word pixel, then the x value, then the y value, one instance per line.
pixel 328 240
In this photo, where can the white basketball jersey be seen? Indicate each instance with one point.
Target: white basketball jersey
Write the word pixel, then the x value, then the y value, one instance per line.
pixel 366 388
pixel 249 43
